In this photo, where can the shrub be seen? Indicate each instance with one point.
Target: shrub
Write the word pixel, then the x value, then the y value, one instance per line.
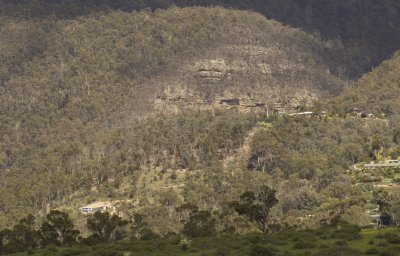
pixel 185 244
pixel 389 253
pixel 347 232
pixel 254 238
pixel 148 234
pixel 174 176
pixel 295 239
pixel 339 250
pixel 392 238
pixel 175 240
pixel 221 252
pixel 341 242
pixel 259 250
pixel 109 253
pixel 382 244
pixel 372 251
pixel 51 248
pixel 304 245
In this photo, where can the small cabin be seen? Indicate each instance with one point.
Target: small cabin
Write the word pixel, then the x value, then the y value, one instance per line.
pixel 303 114
pixel 97 206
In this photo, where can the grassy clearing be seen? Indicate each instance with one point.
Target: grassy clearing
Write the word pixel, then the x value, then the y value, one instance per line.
pixel 343 241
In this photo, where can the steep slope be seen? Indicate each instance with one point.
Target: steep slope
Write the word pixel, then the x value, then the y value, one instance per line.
pixel 64 83
pixel 364 31
pixel 257 64
pixel 376 92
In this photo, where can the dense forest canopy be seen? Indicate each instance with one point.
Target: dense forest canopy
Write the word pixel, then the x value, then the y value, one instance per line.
pixel 179 110
pixel 367 27
pixel 64 83
pixel 376 92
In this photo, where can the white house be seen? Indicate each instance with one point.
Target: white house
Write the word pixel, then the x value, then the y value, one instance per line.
pixel 97 206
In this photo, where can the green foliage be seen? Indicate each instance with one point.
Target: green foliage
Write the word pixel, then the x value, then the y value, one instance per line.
pixel 58 229
pixel 366 28
pixel 346 232
pixel 308 243
pixel 173 176
pixel 22 237
pixel 76 78
pixel 139 226
pixel 200 224
pixel 185 244
pixel 341 250
pixel 259 250
pixel 75 74
pixel 392 238
pixel 66 101
pixel 307 146
pixel 256 207
pixel 196 223
pixel 302 244
pixel 379 90
pixel 148 234
pixel 105 228
pixel 381 197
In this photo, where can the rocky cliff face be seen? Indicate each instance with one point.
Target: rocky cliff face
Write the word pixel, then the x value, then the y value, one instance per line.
pixel 246 77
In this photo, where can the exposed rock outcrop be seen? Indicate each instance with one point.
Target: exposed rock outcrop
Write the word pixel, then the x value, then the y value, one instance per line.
pixel 255 78
pixel 212 69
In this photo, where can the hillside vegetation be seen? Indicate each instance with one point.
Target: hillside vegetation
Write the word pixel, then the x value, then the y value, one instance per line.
pixel 65 82
pixel 376 92
pixel 366 29
pixel 194 122
pixel 323 242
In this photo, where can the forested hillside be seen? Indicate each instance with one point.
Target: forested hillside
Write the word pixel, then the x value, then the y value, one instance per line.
pixel 366 29
pixel 376 92
pixel 65 82
pixel 184 115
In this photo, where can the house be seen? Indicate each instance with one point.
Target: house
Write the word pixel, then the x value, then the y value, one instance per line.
pixel 389 163
pixel 380 219
pixel 97 206
pixel 305 114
